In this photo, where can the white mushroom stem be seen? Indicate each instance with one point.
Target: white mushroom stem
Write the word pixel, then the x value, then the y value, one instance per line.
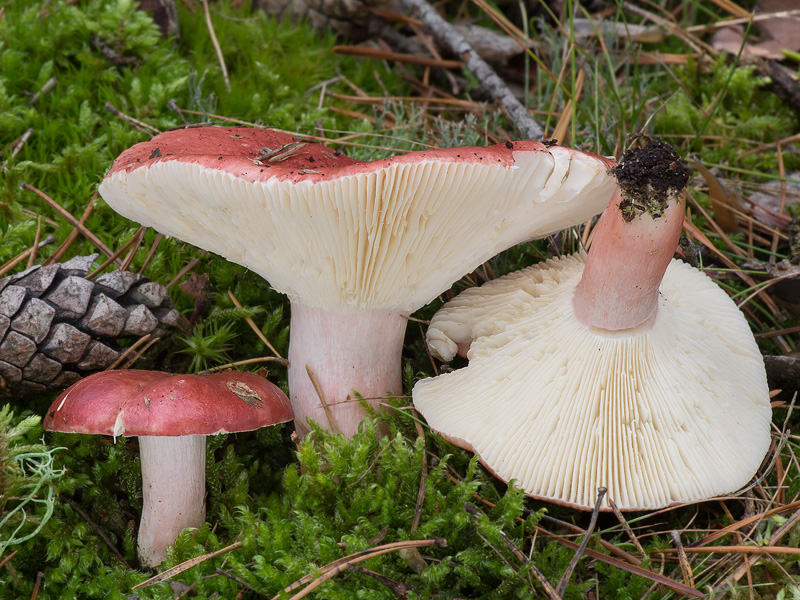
pixel 625 266
pixel 345 352
pixel 174 488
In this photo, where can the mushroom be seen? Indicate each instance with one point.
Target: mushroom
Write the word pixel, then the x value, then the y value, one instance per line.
pixel 356 245
pixel 588 372
pixel 172 415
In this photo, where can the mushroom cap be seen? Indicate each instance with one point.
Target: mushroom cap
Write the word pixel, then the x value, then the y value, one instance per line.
pixel 134 402
pixel 340 234
pixel 674 410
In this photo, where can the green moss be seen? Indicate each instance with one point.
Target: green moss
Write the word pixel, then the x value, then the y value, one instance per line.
pixel 296 509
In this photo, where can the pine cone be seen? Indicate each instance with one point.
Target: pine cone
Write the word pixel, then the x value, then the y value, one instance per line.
pixel 56 326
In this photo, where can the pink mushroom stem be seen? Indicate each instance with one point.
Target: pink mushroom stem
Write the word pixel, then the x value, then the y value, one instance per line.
pixel 626 263
pixel 345 352
pixel 174 488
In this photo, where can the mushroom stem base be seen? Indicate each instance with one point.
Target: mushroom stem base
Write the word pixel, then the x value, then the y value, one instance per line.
pixel 343 351
pixel 174 488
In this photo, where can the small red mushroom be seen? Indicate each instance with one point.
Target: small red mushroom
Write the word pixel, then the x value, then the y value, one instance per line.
pixel 171 414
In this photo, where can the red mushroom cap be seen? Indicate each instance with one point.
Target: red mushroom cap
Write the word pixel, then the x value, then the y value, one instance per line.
pixel 134 402
pixel 237 151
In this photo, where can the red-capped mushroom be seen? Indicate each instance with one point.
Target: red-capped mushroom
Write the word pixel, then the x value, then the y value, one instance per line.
pixel 356 246
pixel 171 415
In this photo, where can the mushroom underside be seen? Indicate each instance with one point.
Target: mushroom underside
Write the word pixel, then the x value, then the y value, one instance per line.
pixel 335 244
pixel 675 410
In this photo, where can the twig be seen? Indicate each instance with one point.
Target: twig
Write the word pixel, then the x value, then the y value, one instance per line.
pixel 36 239
pixel 18 143
pixel 562 585
pixel 48 85
pixel 422 480
pixel 248 361
pixel 217 48
pixel 741 549
pixel 659 578
pixel 372 464
pixel 23 255
pixel 188 564
pixel 334 568
pixel 413 59
pixel 686 568
pixel 625 526
pixel 755 18
pixel 328 413
pixel 103 535
pixel 381 100
pixel 238 580
pixel 138 237
pixel 130 362
pixel 39 578
pixel 769 334
pixel 477 66
pixel 115 256
pixel 399 588
pixel 761 551
pixel 173 106
pixel 129 351
pixel 72 220
pixel 35 215
pixel 141 125
pixel 551 592
pixel 253 326
pixel 546 585
pixel 112 55
pixel 14 553
pixel 152 252
pixel 186 269
pixel 73 235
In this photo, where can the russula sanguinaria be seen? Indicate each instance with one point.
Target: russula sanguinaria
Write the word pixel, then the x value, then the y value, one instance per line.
pixel 171 415
pixel 588 372
pixel 356 246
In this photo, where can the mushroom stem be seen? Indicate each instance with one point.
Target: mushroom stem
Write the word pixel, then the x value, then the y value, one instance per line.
pixel 626 263
pixel 344 351
pixel 174 488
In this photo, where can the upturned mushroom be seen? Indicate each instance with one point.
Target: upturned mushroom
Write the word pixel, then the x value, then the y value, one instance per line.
pixel 356 246
pixel 171 415
pixel 625 369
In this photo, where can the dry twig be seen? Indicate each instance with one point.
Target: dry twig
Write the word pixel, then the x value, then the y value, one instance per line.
pixel 562 585
pixel 141 125
pixel 103 535
pixel 328 413
pixel 23 255
pixel 73 235
pixel 217 48
pixel 445 32
pixel 686 568
pixel 72 220
pixel 188 564
pixel 253 326
pixel 334 568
